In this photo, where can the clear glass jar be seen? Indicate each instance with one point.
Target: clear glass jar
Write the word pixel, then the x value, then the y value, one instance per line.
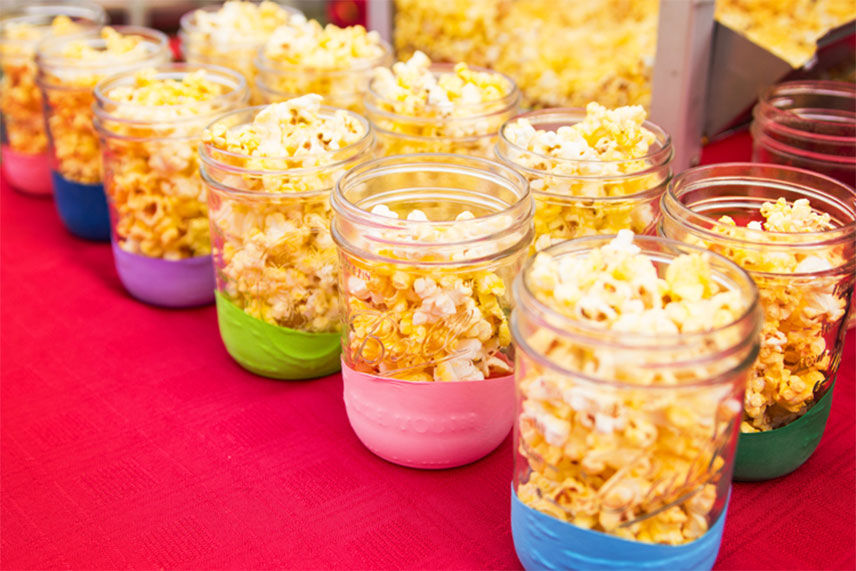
pixel 428 300
pixel 67 85
pixel 471 130
pixel 275 262
pixel 805 279
pixel 809 125
pixel 26 162
pixel 344 88
pixel 576 198
pixel 158 207
pixel 628 434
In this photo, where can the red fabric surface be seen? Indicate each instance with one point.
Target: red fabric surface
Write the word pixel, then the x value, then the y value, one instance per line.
pixel 129 438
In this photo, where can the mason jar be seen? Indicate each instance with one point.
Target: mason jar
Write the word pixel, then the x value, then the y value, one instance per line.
pixel 465 129
pixel 26 161
pixel 805 279
pixel 275 262
pixel 158 207
pixel 810 125
pixel 68 70
pixel 576 198
pixel 428 246
pixel 626 426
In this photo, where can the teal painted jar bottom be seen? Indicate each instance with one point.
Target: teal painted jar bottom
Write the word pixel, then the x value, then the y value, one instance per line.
pixel 82 208
pixel 544 542
pixel 774 453
pixel 273 351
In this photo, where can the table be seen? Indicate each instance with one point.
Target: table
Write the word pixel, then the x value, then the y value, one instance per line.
pixel 129 438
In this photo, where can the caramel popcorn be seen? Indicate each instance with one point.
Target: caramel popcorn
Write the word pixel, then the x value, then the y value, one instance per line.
pixel 69 71
pixel 792 370
pixel 305 57
pixel 271 217
pixel 625 436
pixel 150 128
pixel 579 172
pixel 20 99
pixel 420 109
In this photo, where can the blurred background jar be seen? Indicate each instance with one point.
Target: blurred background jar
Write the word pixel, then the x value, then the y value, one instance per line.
pixel 809 125
pixel 625 434
pixel 428 246
pixel 306 57
pixel 409 120
pixel 150 124
pixel 69 68
pixel 587 197
pixel 804 270
pixel 26 161
pixel 275 262
pixel 230 34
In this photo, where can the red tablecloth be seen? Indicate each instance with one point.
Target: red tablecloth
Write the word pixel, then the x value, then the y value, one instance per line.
pixel 130 439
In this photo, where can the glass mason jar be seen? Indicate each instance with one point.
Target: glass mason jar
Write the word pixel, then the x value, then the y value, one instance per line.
pixel 277 81
pixel 425 302
pixel 809 125
pixel 805 281
pixel 576 198
pixel 67 85
pixel 624 435
pixel 468 130
pixel 275 262
pixel 26 161
pixel 158 207
pixel 235 49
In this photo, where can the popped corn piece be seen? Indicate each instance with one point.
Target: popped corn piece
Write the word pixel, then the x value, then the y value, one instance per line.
pixel 420 109
pixel 617 457
pixel 791 371
pixel 276 257
pixel 579 172
pixel 150 165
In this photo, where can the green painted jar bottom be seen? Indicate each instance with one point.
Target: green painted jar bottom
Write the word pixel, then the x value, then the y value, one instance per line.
pixel 774 453
pixel 274 351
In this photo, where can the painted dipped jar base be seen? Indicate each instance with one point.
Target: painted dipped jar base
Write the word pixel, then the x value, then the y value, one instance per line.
pixel 274 351
pixel 774 453
pixel 82 208
pixel 167 283
pixel 428 425
pixel 28 174
pixel 544 542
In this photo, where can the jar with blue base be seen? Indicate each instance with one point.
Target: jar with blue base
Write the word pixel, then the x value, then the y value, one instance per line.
pixel 632 358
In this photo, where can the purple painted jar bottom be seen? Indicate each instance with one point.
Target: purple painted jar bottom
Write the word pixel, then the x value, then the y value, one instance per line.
pixel 168 283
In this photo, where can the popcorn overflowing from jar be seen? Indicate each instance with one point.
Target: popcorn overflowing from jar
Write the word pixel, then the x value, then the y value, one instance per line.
pixel 592 172
pixel 269 173
pixel 620 432
pixel 419 107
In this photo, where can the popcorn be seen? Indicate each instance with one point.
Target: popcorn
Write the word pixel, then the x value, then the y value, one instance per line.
pixel 626 437
pixel 305 57
pixel 69 71
pixel 150 127
pixel 418 109
pixel 791 372
pixel 20 99
pixel 417 322
pixel 270 212
pixel 578 171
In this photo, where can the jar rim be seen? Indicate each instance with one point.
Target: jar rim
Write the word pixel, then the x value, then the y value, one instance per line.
pixel 264 63
pixel 89 12
pixel 584 332
pixel 841 89
pixel 508 101
pixel 239 92
pixel 187 23
pixel 765 139
pixel 759 174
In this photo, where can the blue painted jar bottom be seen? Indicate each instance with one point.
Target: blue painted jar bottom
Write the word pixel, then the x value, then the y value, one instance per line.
pixel 544 542
pixel 82 208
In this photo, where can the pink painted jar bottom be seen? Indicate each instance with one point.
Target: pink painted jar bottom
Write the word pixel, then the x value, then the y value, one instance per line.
pixel 428 425
pixel 28 174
